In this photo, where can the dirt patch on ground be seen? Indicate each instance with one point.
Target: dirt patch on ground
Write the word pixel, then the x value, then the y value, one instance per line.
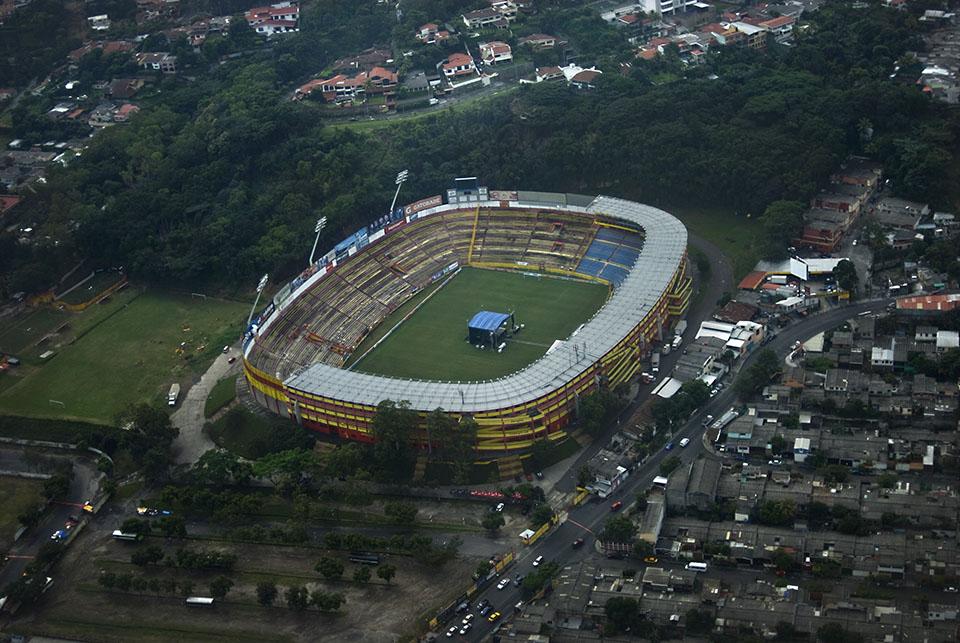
pixel 79 608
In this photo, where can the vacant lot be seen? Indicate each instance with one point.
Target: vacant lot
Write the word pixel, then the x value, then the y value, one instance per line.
pixel 16 495
pixel 432 344
pixel 131 349
pixel 734 235
pixel 78 608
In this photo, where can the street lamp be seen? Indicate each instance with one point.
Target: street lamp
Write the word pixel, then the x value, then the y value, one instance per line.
pixel 260 287
pixel 401 177
pixel 321 224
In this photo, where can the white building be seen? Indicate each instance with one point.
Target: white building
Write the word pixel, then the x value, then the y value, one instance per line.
pixel 495 52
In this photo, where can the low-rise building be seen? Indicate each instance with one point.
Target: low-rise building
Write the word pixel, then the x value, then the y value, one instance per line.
pixel 495 52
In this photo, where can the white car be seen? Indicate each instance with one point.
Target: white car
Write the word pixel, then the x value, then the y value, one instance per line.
pixel 503 583
pixel 537 561
pixel 452 631
pixel 684 442
pixel 465 629
pixel 500 507
pixel 467 619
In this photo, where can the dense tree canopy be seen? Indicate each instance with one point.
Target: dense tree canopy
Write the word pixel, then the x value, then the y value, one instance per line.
pixel 222 179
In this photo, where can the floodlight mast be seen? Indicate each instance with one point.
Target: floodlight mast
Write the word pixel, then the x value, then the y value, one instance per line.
pixel 260 287
pixel 321 224
pixel 401 177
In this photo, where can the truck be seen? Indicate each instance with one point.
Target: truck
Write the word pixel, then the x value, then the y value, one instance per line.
pixel 173 394
pixel 681 328
pixel 655 362
pixel 677 341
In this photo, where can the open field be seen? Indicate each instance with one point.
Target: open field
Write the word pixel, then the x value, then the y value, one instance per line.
pixel 90 289
pixel 432 344
pixel 243 432
pixel 79 609
pixel 125 351
pixel 734 235
pixel 16 495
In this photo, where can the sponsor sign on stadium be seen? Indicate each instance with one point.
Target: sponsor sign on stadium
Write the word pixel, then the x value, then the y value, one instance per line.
pixel 396 226
pixel 423 204
pixel 503 195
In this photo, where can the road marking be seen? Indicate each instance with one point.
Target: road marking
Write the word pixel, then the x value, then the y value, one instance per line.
pixel 584 527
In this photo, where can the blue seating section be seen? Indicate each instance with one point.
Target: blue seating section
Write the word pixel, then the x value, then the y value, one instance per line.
pixel 611 255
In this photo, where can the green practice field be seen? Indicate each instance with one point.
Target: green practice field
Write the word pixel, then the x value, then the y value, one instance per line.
pixel 125 351
pixel 432 344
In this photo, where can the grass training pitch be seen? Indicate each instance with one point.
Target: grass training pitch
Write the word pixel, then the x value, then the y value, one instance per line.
pixel 432 343
pixel 129 355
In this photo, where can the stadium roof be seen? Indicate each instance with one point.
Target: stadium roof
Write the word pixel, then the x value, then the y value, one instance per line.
pixel 486 320
pixel 649 279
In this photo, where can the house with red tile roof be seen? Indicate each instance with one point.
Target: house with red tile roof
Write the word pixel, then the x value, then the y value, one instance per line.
pixel 124 112
pixel 549 73
pixel 458 65
pixel 431 33
pixel 274 19
pixel 538 41
pixel 341 87
pixel 495 52
pixel 780 28
pixel 8 202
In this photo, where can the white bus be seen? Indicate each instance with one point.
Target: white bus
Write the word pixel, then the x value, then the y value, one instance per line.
pixel 696 567
pixel 660 481
pixel 119 535
pixel 198 601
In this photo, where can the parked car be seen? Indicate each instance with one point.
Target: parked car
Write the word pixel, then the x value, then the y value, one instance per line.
pixel 467 619
pixel 493 617
pixel 465 629
pixel 59 535
pixel 452 631
pixel 500 507
pixel 651 560
pixel 539 475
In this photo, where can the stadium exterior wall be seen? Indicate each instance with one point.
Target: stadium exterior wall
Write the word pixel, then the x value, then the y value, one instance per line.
pixel 503 431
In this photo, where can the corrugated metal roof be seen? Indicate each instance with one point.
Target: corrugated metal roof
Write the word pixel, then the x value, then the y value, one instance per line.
pixel 649 279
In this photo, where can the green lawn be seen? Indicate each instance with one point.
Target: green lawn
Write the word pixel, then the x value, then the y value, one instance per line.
pixel 734 235
pixel 131 355
pixel 242 432
pixel 222 393
pixel 90 289
pixel 16 495
pixel 432 344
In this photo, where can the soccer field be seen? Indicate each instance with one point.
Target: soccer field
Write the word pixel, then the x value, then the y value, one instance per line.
pixel 129 355
pixel 432 344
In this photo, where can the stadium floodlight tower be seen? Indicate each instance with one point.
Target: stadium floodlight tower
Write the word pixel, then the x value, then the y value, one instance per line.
pixel 260 287
pixel 401 177
pixel 321 224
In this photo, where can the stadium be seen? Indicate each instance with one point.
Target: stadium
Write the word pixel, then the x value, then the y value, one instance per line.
pixel 301 351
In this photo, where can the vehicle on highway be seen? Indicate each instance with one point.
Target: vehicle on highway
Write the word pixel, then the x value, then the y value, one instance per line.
pixel 776 462
pixel 503 583
pixel 537 561
pixel 651 560
pixel 578 543
pixel 453 630
pixel 668 446
pixel 707 420
pixel 517 580
pixel 616 506
pixel 684 442
pixel 493 617
pixel 696 567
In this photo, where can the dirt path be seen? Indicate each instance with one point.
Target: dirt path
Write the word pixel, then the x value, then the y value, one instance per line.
pixel 192 443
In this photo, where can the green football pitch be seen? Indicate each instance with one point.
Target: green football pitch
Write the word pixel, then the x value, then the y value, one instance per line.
pixel 432 343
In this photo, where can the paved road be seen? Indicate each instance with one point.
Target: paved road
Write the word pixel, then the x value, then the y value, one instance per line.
pixel 707 293
pixel 192 443
pixel 82 488
pixel 587 520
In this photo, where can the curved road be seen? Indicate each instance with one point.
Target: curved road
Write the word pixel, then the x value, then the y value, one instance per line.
pixel 587 520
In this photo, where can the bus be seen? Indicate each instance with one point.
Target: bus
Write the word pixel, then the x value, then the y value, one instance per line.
pixel 120 535
pixel 198 601
pixel 696 567
pixel 660 482
pixel 364 558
